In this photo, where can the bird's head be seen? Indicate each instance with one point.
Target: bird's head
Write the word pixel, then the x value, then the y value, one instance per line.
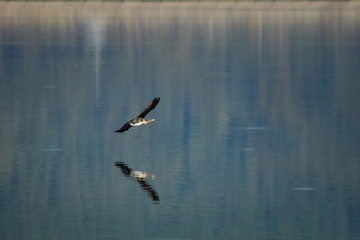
pixel 149 120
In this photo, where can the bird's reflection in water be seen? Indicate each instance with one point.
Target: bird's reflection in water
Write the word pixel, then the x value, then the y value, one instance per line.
pixel 140 177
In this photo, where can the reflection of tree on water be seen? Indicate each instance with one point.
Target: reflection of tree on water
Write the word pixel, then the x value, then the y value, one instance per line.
pixel 140 178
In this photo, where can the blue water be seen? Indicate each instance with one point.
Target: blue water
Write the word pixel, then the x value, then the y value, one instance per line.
pixel 256 134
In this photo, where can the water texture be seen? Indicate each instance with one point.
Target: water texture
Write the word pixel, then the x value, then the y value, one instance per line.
pixel 256 135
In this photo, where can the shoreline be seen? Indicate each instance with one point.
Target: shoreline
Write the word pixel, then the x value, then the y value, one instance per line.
pixel 58 9
pixel 354 5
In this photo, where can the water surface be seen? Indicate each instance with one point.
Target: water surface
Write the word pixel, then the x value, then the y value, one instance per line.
pixel 256 135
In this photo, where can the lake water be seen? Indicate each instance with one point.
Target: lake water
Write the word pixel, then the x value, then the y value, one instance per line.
pixel 256 134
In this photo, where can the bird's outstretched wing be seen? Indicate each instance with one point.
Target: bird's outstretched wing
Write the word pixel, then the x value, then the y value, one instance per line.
pixel 124 168
pixel 149 107
pixel 125 127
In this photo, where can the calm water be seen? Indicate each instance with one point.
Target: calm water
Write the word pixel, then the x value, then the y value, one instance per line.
pixel 256 135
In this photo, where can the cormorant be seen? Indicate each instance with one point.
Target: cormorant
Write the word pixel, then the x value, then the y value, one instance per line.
pixel 139 120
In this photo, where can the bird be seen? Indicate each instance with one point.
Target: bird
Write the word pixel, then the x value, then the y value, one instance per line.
pixel 140 177
pixel 140 119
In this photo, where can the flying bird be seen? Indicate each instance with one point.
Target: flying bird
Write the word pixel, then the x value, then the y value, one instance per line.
pixel 140 177
pixel 139 120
